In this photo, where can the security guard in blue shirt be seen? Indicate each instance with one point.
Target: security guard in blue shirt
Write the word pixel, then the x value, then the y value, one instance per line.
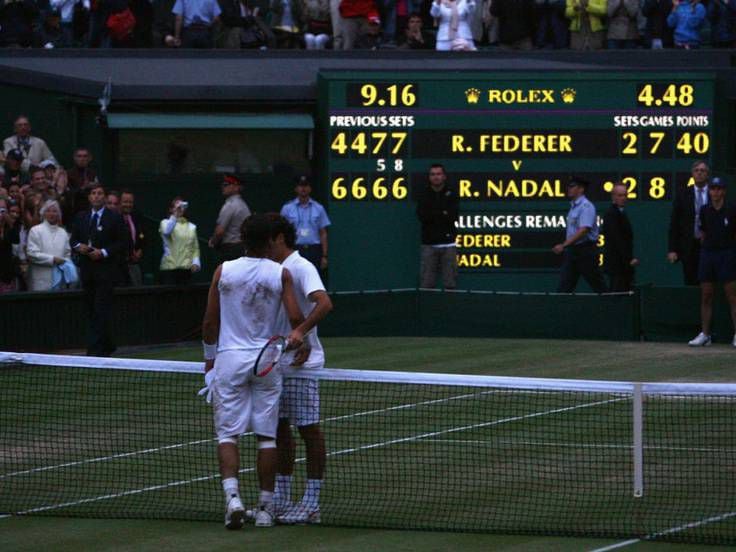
pixel 579 248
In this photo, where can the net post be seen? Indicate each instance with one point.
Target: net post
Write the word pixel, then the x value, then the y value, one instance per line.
pixel 638 449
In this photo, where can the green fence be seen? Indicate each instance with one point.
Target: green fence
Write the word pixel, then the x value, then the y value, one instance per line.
pixel 164 314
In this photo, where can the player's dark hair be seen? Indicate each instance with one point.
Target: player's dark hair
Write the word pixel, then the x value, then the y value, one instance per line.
pixel 281 225
pixel 438 166
pixel 256 231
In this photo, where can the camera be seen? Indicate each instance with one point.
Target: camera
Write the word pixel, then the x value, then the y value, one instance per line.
pixel 184 204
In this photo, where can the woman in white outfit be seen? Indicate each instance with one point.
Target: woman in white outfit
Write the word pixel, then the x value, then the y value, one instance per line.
pixel 48 246
pixel 454 19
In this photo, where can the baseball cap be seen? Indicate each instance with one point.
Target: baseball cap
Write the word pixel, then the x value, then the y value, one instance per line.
pixel 47 163
pixel 14 154
pixel 231 179
pixel 303 180
pixel 718 181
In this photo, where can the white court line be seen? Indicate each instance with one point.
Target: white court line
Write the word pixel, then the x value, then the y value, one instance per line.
pixel 670 531
pixel 577 445
pixel 329 454
pixel 202 441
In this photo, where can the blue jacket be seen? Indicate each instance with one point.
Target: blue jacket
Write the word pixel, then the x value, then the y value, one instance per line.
pixel 722 15
pixel 687 23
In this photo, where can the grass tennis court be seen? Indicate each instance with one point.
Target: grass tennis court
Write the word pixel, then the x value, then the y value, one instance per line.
pixel 569 359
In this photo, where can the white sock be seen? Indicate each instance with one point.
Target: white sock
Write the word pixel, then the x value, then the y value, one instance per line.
pixel 230 486
pixel 266 497
pixel 311 493
pixel 283 488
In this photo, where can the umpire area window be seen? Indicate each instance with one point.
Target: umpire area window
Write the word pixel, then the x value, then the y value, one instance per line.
pixel 205 151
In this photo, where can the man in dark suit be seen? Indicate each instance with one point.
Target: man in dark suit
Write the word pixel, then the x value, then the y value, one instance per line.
pixel 136 238
pixel 98 237
pixel 618 256
pixel 684 234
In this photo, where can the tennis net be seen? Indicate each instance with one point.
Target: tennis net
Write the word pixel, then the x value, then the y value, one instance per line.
pixel 129 438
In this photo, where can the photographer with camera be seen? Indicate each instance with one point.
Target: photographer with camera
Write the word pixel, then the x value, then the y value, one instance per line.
pixel 181 247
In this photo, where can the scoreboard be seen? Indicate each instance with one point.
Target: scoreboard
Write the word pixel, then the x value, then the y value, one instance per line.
pixel 509 143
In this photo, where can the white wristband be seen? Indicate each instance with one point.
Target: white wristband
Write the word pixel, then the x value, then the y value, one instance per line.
pixel 210 351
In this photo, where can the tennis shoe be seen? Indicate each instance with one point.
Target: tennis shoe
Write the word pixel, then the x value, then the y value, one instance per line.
pixel 264 516
pixel 280 507
pixel 300 514
pixel 234 514
pixel 701 340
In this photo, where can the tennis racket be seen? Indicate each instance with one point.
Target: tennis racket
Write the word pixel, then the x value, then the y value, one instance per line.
pixel 270 355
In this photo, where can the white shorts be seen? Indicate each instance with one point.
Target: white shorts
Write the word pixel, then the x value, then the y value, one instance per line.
pixel 243 401
pixel 300 401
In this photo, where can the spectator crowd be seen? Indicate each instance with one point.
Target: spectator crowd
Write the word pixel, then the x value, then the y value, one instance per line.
pixel 368 24
pixel 54 221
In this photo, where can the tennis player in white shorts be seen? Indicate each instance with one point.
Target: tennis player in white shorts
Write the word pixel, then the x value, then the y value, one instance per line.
pixel 243 302
pixel 300 396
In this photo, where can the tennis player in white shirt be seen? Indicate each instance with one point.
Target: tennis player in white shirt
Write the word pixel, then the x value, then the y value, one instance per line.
pixel 244 300
pixel 300 403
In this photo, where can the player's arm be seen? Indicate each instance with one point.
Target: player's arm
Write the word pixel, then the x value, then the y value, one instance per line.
pixel 211 322
pixel 322 307
pixel 293 313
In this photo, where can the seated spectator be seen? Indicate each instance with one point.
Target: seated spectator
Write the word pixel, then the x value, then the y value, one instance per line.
pixel 722 16
pixel 242 27
pixel 454 24
pixel 40 185
pixel 15 197
pixel 65 11
pixel 112 201
pixel 515 23
pixel 587 28
pixel 8 262
pixel 48 247
pixel 143 31
pixel 11 170
pixel 551 24
pixel 56 176
pixel 286 16
pixel 317 28
pixel 687 19
pixel 181 246
pixel 623 31
pixel 358 19
pixel 119 24
pixel 195 22
pixel 17 20
pixel 51 34
pixel 33 149
pixel 404 10
pixel 163 24
pixel 369 37
pixel 80 23
pixel 412 37
pixel 659 34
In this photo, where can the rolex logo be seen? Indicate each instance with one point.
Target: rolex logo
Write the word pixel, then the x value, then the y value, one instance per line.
pixel 568 95
pixel 472 95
